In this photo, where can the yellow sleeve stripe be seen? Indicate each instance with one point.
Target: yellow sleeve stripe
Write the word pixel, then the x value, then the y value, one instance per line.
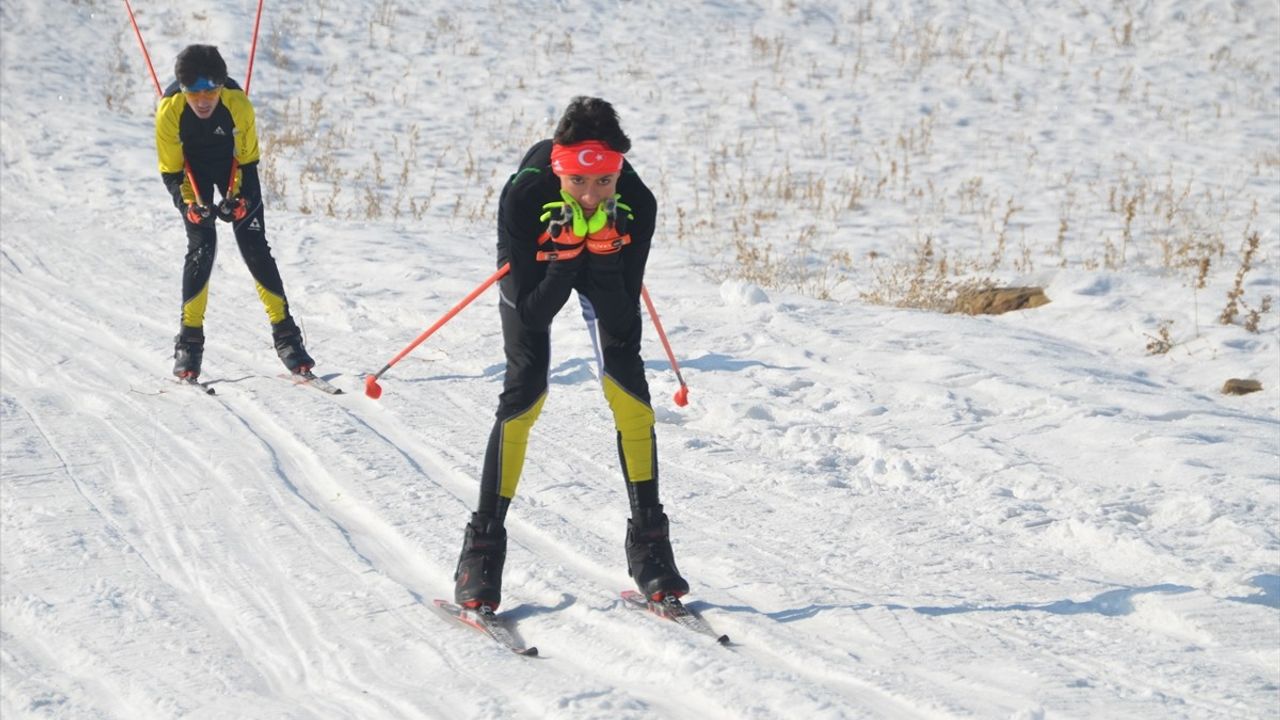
pixel 243 116
pixel 168 146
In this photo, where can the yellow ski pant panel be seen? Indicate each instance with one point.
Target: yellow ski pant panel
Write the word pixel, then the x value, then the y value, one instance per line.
pixel 193 309
pixel 275 305
pixel 515 441
pixel 634 419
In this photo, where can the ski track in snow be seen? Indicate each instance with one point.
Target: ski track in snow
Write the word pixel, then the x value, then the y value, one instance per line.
pixel 351 514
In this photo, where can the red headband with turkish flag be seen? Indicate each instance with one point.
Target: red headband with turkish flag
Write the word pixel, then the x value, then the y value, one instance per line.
pixel 590 157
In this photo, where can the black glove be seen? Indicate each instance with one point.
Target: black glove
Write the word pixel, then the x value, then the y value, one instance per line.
pixel 233 209
pixel 199 214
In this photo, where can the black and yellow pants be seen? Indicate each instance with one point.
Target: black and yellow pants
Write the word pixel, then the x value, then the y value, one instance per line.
pixel 251 237
pixel 528 354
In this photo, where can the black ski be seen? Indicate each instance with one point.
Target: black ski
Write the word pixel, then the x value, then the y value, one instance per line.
pixel 312 380
pixel 202 387
pixel 670 608
pixel 488 623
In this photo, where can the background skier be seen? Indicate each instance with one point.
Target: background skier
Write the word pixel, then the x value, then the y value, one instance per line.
pixel 206 139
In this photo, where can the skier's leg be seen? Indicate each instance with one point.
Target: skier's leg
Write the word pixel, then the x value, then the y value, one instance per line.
pixel 197 268
pixel 650 560
pixel 251 237
pixel 478 578
pixel 524 389
pixel 627 391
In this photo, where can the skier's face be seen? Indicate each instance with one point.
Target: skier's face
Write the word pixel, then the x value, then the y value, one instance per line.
pixel 203 102
pixel 590 190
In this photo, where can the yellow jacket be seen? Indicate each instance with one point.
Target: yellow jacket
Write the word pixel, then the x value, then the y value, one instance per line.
pixel 208 146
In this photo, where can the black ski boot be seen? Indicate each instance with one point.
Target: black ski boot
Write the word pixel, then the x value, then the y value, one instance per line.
pixel 188 352
pixel 288 340
pixel 649 558
pixel 478 579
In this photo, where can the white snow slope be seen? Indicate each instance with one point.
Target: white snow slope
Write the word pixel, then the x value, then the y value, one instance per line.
pixel 895 513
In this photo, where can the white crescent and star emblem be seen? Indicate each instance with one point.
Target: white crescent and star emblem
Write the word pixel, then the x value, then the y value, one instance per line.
pixel 587 158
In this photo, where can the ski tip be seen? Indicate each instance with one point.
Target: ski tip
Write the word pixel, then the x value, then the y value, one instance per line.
pixel 193 382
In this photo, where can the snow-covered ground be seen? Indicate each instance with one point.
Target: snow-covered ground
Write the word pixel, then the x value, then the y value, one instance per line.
pixel 895 513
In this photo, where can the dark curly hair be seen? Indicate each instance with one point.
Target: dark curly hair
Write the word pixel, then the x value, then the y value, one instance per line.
pixel 197 61
pixel 589 118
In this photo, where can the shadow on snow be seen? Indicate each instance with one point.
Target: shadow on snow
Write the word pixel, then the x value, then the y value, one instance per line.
pixel 1112 603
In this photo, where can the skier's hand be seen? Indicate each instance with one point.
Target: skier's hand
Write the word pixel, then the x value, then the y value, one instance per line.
pixel 233 209
pixel 564 244
pixel 567 216
pixel 612 236
pixel 619 213
pixel 559 218
pixel 197 214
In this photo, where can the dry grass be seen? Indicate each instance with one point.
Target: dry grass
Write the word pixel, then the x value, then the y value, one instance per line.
pixel 1128 217
pixel 1162 342
pixel 1236 303
pixel 928 282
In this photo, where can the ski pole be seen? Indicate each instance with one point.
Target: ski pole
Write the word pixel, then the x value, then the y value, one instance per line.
pixel 191 176
pixel 371 387
pixel 141 44
pixel 195 189
pixel 253 48
pixel 682 395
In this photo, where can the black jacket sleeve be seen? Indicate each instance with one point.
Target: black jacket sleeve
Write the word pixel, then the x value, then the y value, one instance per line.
pixel 250 187
pixel 173 183
pixel 645 209
pixel 537 290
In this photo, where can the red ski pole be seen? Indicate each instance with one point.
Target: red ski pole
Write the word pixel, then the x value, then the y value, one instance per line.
pixel 160 91
pixel 253 49
pixel 143 45
pixel 682 395
pixel 371 386
pixel 195 189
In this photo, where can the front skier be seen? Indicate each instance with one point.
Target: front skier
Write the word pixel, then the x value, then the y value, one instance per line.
pixel 575 216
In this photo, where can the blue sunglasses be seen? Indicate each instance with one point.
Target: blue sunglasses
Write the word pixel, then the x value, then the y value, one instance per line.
pixel 202 84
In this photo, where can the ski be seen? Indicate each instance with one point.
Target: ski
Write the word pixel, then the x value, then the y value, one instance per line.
pixel 670 608
pixel 192 382
pixel 312 380
pixel 488 623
